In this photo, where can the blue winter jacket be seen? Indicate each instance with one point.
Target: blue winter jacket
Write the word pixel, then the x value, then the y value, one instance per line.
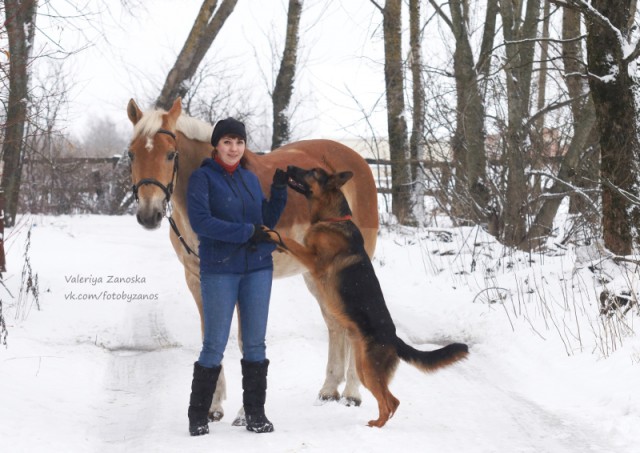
pixel 223 209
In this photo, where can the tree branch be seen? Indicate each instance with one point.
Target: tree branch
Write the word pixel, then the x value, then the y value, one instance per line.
pixel 551 107
pixel 577 190
pixel 443 15
pixel 377 6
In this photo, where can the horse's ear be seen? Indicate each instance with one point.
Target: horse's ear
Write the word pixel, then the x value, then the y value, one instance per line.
pixel 134 113
pixel 340 179
pixel 174 112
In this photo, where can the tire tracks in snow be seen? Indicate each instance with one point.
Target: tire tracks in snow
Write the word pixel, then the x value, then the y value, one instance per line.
pixel 518 424
pixel 140 357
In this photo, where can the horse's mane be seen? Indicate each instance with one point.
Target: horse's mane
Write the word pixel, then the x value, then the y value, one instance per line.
pixel 192 128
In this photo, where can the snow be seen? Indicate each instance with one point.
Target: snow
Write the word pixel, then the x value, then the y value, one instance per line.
pixel 106 374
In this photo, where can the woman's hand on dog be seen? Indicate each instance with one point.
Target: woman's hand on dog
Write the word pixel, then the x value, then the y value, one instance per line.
pixel 260 234
pixel 264 234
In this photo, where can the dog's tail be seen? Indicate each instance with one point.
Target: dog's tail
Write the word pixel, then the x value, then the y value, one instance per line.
pixel 431 360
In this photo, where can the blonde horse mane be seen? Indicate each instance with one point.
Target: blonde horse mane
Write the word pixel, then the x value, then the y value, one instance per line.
pixel 192 128
pixel 329 165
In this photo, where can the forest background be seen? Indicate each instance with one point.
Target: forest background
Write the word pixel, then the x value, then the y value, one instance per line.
pixel 491 113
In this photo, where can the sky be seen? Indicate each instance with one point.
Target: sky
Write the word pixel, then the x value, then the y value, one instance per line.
pixel 91 371
pixel 341 57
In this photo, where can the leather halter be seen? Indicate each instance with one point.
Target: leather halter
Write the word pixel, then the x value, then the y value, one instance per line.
pixel 168 191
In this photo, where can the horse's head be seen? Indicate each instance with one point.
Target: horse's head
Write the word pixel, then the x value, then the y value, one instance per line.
pixel 154 160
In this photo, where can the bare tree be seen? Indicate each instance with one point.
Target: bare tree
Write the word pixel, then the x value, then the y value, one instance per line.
pixel 543 69
pixel 102 139
pixel 488 37
pixel 610 30
pixel 587 171
pixel 396 123
pixel 216 93
pixel 578 171
pixel 519 35
pixel 468 142
pixel 416 141
pixel 612 45
pixel 206 27
pixel 417 138
pixel 281 96
pixel 20 20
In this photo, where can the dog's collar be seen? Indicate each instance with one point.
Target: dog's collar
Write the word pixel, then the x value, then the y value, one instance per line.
pixel 338 219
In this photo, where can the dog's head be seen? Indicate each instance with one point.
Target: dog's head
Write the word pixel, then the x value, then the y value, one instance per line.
pixel 317 181
pixel 322 190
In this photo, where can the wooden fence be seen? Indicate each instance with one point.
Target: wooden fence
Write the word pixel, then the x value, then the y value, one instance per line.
pixel 381 169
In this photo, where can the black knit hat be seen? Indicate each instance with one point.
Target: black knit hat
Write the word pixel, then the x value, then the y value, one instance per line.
pixel 229 126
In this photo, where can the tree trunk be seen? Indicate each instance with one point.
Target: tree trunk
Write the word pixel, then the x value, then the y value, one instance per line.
pixel 396 123
pixel 520 41
pixel 543 223
pixel 471 194
pixel 580 162
pixel 542 71
pixel 537 132
pixel 416 141
pixel 588 168
pixel 20 21
pixel 469 138
pixel 488 38
pixel 205 29
pixel 612 89
pixel 283 89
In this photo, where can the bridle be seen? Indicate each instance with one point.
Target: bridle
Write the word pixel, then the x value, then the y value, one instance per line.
pixel 168 191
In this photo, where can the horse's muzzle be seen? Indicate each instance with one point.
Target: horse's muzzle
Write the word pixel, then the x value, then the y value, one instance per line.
pixel 149 217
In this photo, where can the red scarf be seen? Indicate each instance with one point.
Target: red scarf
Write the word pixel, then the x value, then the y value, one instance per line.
pixel 228 168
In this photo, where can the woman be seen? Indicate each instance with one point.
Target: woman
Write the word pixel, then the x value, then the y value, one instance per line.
pixel 227 209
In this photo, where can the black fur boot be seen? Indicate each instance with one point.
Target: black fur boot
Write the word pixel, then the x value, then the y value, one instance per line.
pixel 254 384
pixel 202 388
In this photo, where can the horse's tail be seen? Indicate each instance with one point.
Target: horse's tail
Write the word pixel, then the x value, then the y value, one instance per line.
pixel 431 360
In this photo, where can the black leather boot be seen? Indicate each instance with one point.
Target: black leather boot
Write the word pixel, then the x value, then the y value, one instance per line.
pixel 202 388
pixel 254 384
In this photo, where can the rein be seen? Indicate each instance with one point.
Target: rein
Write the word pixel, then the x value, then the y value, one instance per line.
pixel 251 246
pixel 279 242
pixel 168 191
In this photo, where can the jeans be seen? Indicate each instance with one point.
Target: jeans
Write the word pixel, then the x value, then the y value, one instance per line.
pixel 220 292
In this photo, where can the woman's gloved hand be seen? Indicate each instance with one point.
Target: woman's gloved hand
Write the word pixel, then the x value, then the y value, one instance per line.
pixel 280 178
pixel 259 235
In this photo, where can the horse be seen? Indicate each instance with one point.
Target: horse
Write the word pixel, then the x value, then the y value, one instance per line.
pixel 167 146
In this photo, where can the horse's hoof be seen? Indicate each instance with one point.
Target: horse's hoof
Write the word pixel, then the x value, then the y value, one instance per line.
pixel 350 401
pixel 240 420
pixel 216 416
pixel 326 397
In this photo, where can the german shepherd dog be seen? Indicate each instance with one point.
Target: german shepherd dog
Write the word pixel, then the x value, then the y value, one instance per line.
pixel 334 253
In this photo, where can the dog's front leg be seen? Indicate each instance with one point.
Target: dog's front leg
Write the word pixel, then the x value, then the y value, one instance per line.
pixel 303 254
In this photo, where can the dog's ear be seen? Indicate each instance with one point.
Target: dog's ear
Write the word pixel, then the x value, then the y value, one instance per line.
pixel 339 179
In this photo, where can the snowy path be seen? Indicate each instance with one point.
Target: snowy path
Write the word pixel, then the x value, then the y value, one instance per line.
pixel 121 373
